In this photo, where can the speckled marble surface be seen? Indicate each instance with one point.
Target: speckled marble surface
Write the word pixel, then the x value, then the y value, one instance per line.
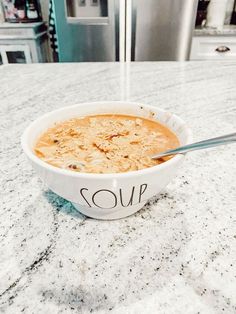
pixel 177 255
pixel 227 30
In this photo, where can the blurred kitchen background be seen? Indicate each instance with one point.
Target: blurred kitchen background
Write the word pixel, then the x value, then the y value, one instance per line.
pixel 34 31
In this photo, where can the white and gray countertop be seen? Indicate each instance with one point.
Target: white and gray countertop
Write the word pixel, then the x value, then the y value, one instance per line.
pixel 227 30
pixel 176 255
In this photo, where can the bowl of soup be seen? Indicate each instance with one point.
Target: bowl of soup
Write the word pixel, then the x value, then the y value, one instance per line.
pixel 98 155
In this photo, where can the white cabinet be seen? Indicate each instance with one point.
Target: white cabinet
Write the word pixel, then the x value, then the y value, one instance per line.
pixel 213 48
pixel 15 54
pixel 23 42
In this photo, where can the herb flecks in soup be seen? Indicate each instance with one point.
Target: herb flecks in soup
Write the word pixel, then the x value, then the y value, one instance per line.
pixel 105 143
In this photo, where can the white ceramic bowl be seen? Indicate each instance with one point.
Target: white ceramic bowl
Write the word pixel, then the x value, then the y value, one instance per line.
pixel 106 196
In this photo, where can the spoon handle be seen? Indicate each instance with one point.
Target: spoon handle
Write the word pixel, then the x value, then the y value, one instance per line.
pixel 212 142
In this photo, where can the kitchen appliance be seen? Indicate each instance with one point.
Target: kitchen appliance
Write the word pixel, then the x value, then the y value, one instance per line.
pixel 87 30
pixel 162 29
pixel 113 30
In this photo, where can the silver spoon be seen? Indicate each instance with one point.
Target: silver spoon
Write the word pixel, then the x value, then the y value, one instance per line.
pixel 212 142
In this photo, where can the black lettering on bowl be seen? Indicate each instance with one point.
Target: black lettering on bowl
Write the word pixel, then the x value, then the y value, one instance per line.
pixel 130 200
pixel 81 190
pixel 115 199
pixel 140 189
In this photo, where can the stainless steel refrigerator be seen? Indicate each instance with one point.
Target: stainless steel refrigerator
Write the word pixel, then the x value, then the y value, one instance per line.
pixel 113 30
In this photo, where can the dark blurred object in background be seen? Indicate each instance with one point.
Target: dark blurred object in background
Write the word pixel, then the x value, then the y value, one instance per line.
pixel 233 17
pixel 22 11
pixel 201 11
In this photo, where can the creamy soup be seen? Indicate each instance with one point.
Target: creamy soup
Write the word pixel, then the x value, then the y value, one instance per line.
pixel 105 143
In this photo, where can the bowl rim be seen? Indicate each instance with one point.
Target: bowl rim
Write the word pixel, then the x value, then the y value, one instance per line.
pixel 34 158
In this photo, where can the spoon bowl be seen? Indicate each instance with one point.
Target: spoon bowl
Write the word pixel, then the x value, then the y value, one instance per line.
pixel 212 142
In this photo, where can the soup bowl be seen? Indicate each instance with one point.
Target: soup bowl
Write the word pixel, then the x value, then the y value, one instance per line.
pixel 106 196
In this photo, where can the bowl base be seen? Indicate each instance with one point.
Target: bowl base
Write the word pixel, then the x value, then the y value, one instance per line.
pixel 105 214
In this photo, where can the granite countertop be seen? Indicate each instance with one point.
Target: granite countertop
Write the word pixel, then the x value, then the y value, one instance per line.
pixel 227 30
pixel 176 255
